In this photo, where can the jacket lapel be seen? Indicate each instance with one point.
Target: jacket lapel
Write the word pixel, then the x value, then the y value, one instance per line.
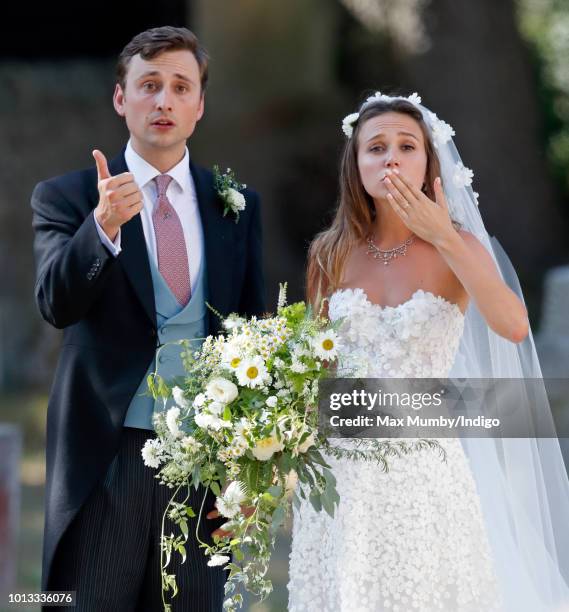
pixel 134 256
pixel 219 236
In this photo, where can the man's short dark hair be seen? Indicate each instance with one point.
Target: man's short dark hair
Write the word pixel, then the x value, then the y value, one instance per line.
pixel 155 41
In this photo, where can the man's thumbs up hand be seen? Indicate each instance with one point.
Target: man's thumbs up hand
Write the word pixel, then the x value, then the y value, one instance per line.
pixel 119 197
pixel 102 167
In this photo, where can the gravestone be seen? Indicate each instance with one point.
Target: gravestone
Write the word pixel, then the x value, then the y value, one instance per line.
pixel 10 448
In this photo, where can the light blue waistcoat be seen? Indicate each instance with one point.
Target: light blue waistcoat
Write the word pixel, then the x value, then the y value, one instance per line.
pixel 174 323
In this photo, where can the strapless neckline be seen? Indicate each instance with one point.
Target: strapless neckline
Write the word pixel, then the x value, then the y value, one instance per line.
pixel 382 307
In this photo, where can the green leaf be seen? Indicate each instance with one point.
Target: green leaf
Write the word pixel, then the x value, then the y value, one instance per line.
pixel 327 504
pixel 315 500
pixel 190 512
pixel 317 457
pixel 296 501
pixel 227 413
pixel 184 528
pixel 238 554
pixel 174 585
pixel 182 551
pixel 278 517
pixel 275 491
pixel 150 383
pixel 214 486
pixel 162 390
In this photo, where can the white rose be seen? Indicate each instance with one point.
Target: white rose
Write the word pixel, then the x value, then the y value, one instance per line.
pixel 291 480
pixel 310 441
pixel 271 401
pixel 222 390
pixel 266 447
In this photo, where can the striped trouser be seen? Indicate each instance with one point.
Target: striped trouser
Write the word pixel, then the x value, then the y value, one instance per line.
pixel 110 555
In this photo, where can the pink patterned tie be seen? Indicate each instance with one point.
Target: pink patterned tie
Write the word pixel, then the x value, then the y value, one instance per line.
pixel 170 243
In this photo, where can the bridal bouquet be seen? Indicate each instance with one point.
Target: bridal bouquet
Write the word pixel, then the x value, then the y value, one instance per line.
pixel 245 425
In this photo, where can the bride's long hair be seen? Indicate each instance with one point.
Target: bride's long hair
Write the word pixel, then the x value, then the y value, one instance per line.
pixel 355 214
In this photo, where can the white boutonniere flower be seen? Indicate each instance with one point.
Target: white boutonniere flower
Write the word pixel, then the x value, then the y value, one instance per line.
pixel 229 190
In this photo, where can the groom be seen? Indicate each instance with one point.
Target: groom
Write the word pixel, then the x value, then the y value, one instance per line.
pixel 126 255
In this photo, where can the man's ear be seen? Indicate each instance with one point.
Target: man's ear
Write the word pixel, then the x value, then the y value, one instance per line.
pixel 118 100
pixel 201 107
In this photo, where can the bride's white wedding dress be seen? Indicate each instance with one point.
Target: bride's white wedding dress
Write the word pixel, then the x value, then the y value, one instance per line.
pixel 412 538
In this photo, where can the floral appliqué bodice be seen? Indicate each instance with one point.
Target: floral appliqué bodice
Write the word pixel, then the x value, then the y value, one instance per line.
pixel 418 338
pixel 412 538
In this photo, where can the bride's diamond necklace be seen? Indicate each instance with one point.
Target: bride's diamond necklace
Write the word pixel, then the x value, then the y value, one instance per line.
pixel 389 254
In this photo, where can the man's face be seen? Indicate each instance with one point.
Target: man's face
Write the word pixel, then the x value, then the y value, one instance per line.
pixel 162 100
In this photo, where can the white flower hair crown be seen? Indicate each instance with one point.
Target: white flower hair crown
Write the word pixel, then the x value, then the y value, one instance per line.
pixel 441 133
pixel 349 121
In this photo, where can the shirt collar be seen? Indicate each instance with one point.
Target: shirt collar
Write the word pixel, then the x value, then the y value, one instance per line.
pixel 144 172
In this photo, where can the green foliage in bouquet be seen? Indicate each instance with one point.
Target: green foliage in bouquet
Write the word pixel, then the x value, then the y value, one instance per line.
pixel 245 425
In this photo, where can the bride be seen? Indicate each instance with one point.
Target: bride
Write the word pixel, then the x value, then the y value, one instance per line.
pixel 419 285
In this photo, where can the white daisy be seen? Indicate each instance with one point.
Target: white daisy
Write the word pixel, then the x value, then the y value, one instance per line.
pixel 243 427
pixel 325 345
pixel 252 372
pixel 232 352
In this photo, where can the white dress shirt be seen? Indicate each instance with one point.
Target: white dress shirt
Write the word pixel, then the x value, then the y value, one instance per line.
pixel 182 195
